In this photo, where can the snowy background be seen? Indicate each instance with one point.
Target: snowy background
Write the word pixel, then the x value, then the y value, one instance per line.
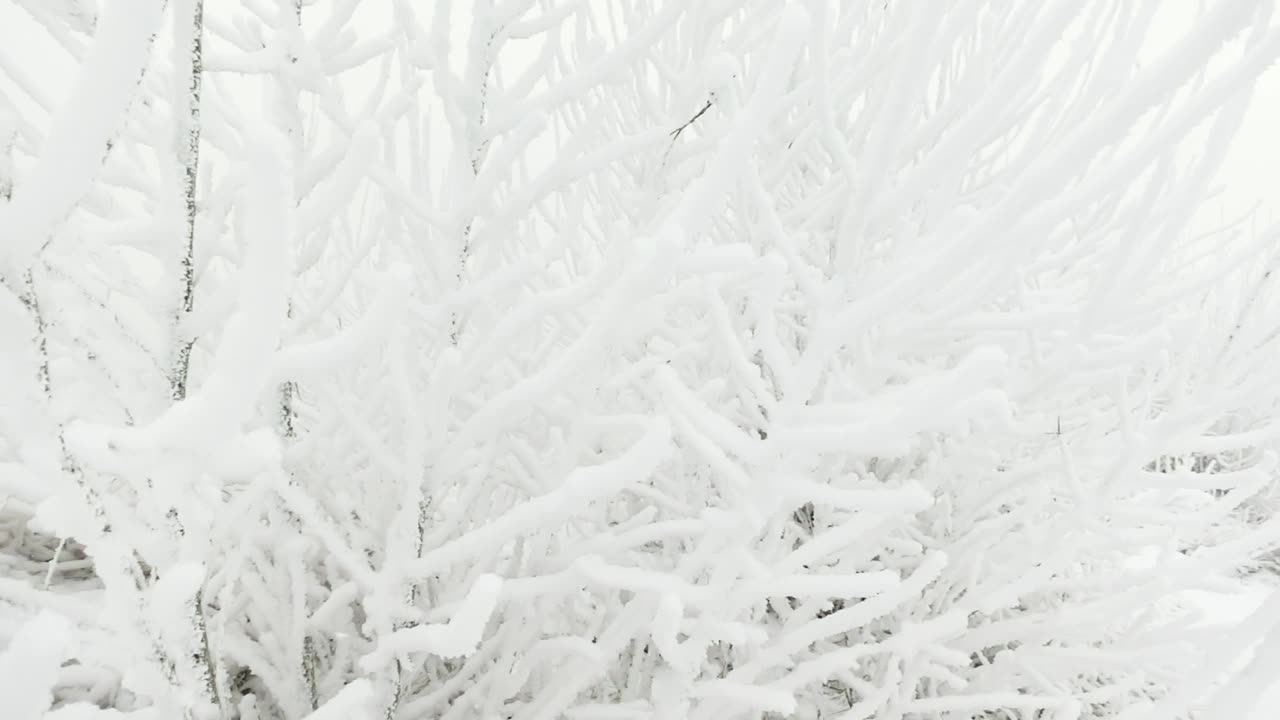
pixel 631 359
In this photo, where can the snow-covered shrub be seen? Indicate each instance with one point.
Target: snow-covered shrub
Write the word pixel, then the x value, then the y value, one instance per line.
pixel 693 360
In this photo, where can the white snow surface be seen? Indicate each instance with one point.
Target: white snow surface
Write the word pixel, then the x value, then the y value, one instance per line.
pixel 899 382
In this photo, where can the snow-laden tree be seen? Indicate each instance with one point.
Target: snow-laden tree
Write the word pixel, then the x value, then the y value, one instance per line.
pixel 551 358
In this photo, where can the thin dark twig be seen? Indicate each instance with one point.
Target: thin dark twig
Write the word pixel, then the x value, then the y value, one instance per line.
pixel 675 134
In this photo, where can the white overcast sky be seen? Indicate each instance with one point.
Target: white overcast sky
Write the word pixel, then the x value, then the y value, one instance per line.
pixel 1251 173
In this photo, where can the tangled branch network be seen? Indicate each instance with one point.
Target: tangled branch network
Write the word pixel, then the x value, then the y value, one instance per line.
pixel 538 359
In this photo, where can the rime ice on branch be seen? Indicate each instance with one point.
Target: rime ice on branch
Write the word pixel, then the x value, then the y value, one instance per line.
pixel 577 359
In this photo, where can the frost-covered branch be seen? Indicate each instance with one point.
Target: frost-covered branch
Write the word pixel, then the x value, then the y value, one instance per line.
pixel 571 359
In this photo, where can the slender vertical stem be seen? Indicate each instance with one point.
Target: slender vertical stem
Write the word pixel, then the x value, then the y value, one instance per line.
pixel 292 118
pixel 287 102
pixel 188 123
pixel 479 68
pixel 188 66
